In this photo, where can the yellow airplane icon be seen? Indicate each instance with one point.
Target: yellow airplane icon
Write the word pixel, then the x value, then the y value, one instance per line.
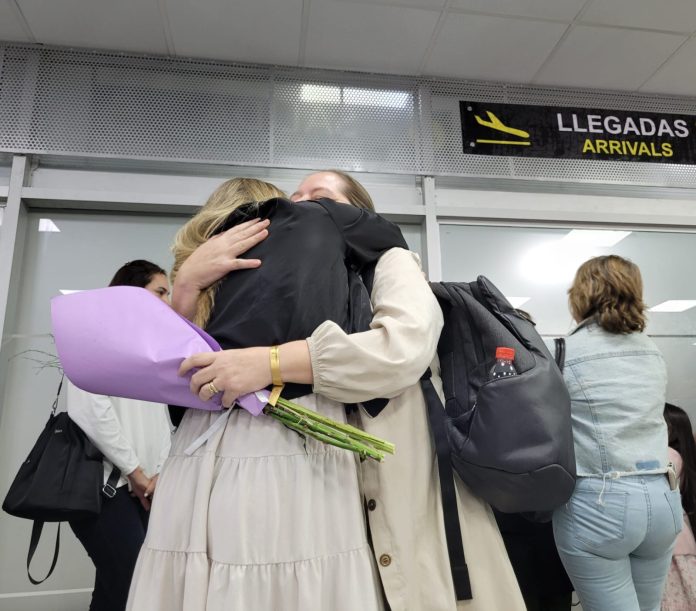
pixel 496 124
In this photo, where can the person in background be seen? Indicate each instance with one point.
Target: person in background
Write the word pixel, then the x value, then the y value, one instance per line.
pixel 616 532
pixel 402 494
pixel 680 588
pixel 134 437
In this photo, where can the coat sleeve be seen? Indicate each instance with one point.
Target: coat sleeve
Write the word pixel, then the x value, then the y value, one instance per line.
pixel 399 346
pixel 95 415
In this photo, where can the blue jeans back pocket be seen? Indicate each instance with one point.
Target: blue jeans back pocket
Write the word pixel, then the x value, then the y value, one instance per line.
pixel 674 500
pixel 596 523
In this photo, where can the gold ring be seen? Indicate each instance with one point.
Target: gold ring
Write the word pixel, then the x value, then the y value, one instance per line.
pixel 211 388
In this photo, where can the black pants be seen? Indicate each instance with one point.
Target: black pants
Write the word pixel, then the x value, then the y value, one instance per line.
pixel 532 550
pixel 113 540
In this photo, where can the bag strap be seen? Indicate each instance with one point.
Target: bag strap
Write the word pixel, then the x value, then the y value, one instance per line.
pixel 366 276
pixel 453 532
pixel 33 544
pixel 54 406
pixel 560 352
pixel 109 489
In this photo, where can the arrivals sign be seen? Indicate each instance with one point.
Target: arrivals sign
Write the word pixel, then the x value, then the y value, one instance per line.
pixel 577 133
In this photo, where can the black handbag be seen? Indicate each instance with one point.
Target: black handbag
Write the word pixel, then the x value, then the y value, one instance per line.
pixel 60 480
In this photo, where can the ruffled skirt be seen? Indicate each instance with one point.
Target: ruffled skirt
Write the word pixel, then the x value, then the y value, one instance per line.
pixel 256 519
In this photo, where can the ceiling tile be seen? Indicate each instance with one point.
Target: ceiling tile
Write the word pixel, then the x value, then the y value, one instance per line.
pixel 260 31
pixel 608 58
pixel 128 25
pixel 433 5
pixel 678 75
pixel 673 15
pixel 10 26
pixel 564 10
pixel 492 48
pixel 368 37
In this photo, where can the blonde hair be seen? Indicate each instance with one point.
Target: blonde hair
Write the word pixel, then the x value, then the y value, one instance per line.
pixel 610 289
pixel 354 192
pixel 229 196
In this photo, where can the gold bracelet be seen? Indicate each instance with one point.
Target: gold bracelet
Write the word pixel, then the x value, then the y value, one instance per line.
pixel 275 367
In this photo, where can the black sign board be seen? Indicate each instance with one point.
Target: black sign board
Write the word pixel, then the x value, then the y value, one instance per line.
pixel 577 133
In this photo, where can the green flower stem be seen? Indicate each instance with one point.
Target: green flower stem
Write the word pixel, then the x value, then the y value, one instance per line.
pixel 309 422
pixel 346 428
pixel 305 428
pixel 324 430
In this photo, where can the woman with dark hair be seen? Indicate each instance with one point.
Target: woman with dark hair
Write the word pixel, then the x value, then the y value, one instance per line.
pixel 134 437
pixel 680 588
pixel 615 534
pixel 145 274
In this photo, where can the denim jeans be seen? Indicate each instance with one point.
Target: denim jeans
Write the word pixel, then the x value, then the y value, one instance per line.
pixel 615 538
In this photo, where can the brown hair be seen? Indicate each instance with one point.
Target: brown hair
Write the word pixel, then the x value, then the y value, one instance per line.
pixel 229 196
pixel 610 289
pixel 355 193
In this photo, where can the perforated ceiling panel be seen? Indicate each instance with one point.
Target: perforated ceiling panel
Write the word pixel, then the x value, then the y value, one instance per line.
pixel 101 104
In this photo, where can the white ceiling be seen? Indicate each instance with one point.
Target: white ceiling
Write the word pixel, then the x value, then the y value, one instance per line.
pixel 632 45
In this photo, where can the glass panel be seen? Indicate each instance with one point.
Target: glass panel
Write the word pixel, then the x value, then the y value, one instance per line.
pixel 412 235
pixel 538 265
pixel 4 175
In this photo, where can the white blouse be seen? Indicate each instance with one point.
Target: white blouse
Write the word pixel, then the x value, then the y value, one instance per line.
pixel 129 433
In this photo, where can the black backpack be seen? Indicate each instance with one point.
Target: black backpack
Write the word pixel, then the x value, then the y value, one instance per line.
pixel 509 439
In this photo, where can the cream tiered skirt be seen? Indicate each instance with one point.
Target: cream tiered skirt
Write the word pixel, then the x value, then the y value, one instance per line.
pixel 256 519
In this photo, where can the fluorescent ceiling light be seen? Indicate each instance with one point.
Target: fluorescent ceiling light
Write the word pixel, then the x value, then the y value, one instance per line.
pixel 556 261
pixel 600 238
pixel 553 262
pixel 674 305
pixel 355 96
pixel 517 302
pixel 70 291
pixel 376 97
pixel 320 93
pixel 47 225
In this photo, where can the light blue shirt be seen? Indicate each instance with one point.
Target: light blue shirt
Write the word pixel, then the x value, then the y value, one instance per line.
pixel 617 386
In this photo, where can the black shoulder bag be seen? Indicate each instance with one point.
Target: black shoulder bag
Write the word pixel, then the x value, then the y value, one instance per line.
pixel 60 480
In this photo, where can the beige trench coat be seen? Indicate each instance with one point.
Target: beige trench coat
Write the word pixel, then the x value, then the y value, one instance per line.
pixel 402 493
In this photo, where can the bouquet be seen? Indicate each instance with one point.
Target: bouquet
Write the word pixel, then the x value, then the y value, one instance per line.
pixel 122 341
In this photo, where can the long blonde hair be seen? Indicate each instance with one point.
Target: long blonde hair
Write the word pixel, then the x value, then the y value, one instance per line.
pixel 229 196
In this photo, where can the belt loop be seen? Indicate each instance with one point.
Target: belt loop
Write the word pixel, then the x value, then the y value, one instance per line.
pixel 600 500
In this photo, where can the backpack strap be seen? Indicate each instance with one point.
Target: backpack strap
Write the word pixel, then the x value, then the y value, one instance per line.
pixel 33 544
pixel 361 282
pixel 560 352
pixel 453 531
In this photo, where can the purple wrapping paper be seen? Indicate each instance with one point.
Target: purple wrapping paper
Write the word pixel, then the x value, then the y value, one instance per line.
pixel 123 341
